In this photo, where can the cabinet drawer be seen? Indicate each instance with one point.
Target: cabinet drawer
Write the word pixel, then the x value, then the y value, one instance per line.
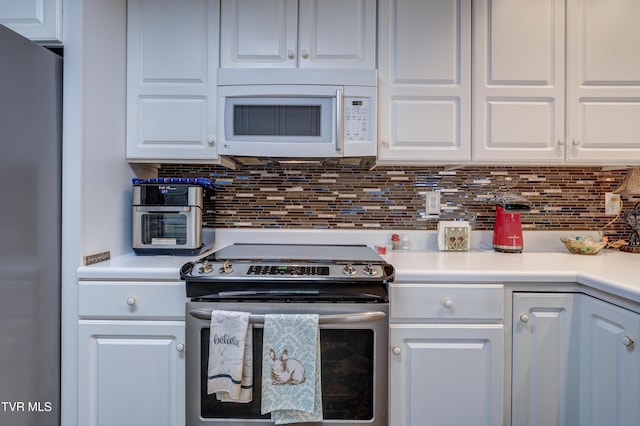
pixel 447 301
pixel 131 299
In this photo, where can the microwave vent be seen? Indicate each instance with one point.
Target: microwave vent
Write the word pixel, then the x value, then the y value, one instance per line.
pixel 361 162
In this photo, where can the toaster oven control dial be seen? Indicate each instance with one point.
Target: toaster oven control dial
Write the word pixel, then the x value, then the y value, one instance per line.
pixel 226 268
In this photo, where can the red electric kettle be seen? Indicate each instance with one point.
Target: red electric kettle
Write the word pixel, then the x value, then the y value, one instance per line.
pixel 507 229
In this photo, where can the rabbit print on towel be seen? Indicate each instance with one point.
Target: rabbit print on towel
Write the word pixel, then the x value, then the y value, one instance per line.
pixel 291 389
pixel 286 371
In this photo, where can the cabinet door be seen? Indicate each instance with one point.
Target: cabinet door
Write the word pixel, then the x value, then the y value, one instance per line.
pixel 444 375
pixel 37 20
pixel 425 81
pixel 544 360
pixel 519 81
pixel 259 34
pixel 337 34
pixel 610 365
pixel 292 33
pixel 171 81
pixel 131 373
pixel 603 103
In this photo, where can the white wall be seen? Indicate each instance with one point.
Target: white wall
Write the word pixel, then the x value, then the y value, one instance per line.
pixel 106 176
pixel 96 177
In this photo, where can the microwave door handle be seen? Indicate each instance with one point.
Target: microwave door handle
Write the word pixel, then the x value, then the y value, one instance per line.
pixel 339 120
pixel 361 317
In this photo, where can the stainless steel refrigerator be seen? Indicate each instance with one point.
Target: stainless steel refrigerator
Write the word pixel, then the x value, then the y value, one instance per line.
pixel 30 217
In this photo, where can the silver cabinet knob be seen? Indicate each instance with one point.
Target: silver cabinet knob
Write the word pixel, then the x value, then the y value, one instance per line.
pixel 291 54
pixel 211 140
pixel 385 141
pixel 131 301
pixel 396 350
pixel 447 303
pixel 627 341
pixel 560 142
pixel 576 141
pixel 180 347
pixel 305 54
pixel 524 318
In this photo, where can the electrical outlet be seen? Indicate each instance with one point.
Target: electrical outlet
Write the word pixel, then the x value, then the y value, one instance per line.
pixel 612 204
pixel 432 203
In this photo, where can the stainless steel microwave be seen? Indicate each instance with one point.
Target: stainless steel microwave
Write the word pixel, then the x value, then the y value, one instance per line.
pixel 297 113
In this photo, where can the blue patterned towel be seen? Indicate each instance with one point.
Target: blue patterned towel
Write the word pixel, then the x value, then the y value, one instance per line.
pixel 291 388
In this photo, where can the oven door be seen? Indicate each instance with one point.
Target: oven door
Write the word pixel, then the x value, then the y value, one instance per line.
pixel 353 346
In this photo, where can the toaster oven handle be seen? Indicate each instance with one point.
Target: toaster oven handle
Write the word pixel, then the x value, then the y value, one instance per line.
pixel 339 120
pixel 205 314
pixel 162 209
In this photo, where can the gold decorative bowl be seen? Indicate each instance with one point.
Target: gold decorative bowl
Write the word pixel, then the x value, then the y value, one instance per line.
pixel 584 246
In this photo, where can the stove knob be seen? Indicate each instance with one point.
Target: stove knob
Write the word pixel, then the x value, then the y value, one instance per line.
pixel 369 270
pixel 205 268
pixel 226 268
pixel 349 269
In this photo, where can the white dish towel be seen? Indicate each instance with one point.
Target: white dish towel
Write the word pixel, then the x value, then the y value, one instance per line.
pixel 230 369
pixel 291 388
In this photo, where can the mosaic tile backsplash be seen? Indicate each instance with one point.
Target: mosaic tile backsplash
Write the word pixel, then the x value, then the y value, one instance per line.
pixel 354 197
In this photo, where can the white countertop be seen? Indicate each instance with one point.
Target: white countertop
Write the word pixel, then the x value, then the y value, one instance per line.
pixel 544 261
pixel 611 271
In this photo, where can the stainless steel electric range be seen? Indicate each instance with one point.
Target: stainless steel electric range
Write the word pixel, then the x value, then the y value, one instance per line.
pixel 346 285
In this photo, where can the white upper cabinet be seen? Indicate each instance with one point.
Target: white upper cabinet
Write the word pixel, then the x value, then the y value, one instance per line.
pixel 424 81
pixel 518 81
pixel 555 93
pixel 172 61
pixel 37 20
pixel 298 34
pixel 603 82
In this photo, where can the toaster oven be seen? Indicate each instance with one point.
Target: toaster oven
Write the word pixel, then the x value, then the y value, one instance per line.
pixel 167 219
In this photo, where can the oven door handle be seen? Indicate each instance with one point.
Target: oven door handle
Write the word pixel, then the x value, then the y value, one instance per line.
pixel 205 314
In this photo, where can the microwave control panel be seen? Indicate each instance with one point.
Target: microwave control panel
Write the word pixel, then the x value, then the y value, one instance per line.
pixel 356 119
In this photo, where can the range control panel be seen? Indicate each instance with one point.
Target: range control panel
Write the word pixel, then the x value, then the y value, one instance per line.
pixel 288 270
pixel 215 270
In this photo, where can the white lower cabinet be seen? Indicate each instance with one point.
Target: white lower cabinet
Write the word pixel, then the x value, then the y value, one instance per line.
pixel 610 365
pixel 574 361
pixel 131 373
pixel 131 353
pixel 545 359
pixel 446 361
pixel 446 375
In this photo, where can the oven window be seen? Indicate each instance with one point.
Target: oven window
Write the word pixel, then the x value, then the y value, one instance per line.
pixel 164 228
pixel 347 377
pixel 276 120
